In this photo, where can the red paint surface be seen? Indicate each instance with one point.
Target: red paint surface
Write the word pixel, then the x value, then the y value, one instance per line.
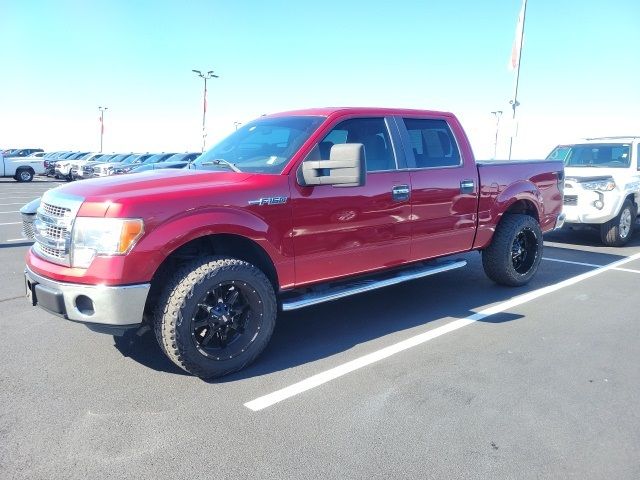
pixel 322 232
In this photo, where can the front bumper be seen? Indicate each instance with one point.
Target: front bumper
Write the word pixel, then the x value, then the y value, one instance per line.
pixel 120 307
pixel 583 209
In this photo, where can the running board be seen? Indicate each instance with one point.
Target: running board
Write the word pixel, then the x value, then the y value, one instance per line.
pixel 337 291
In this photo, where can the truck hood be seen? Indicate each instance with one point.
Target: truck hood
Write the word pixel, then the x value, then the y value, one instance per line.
pixel 620 175
pixel 119 188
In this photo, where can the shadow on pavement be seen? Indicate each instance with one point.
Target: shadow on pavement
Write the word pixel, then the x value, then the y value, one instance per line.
pixel 325 330
pixel 16 244
pixel 588 237
pixel 145 350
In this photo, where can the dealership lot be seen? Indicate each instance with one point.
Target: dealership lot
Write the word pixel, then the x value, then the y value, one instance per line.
pixel 446 377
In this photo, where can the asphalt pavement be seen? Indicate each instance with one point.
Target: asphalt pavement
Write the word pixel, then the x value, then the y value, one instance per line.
pixel 446 377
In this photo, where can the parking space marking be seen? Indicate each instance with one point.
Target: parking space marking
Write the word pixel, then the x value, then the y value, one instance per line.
pixel 314 381
pixel 627 270
pixel 7 204
pixel 11 223
pixel 11 211
pixel 20 240
pixel 573 263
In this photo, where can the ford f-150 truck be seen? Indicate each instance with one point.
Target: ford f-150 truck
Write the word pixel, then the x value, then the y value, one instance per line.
pixel 291 210
pixel 602 186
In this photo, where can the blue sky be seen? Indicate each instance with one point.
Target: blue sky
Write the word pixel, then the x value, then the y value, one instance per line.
pixel 61 59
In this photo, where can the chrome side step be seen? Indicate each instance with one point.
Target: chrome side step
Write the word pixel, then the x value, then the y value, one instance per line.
pixel 337 291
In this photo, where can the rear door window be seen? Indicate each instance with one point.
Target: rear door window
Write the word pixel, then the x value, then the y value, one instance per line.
pixel 432 143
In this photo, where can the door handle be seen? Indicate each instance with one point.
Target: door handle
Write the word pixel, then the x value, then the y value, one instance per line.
pixel 467 186
pixel 400 193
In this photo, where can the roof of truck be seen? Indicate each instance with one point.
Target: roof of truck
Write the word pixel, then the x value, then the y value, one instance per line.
pixel 326 111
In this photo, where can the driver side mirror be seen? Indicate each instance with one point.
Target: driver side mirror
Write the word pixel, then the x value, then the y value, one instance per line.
pixel 346 167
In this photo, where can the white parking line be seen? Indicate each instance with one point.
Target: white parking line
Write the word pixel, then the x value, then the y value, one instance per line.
pixel 12 223
pixel 20 240
pixel 314 381
pixel 627 270
pixel 11 211
pixel 7 204
pixel 573 263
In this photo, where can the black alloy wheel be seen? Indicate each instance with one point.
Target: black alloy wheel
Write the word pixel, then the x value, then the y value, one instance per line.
pixel 513 256
pixel 226 320
pixel 524 250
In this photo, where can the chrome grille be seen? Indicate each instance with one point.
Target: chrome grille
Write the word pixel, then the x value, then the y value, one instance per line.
pixel 96 169
pixel 52 252
pixel 28 229
pixel 56 232
pixel 52 227
pixel 53 211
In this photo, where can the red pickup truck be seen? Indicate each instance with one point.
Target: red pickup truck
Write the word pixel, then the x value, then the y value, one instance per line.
pixel 291 210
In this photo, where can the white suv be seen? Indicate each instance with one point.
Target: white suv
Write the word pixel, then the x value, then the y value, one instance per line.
pixel 602 185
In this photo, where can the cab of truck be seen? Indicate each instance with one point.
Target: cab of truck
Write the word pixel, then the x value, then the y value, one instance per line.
pixel 602 185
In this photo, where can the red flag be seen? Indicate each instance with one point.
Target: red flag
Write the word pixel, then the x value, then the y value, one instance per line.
pixel 517 41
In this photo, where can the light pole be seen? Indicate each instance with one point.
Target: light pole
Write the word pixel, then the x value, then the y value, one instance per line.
pixel 102 110
pixel 205 76
pixel 497 114
pixel 237 124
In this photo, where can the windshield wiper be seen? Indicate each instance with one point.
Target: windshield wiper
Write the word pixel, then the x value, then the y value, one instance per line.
pixel 221 161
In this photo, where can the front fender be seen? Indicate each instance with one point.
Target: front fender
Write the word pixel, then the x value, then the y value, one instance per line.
pixel 168 236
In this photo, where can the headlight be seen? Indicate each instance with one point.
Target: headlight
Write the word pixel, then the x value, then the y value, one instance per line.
pixel 103 236
pixel 604 185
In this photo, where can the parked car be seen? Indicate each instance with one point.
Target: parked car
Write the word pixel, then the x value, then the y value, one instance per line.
pixel 63 167
pixel 290 210
pixel 51 160
pixel 602 186
pixel 158 157
pixel 77 166
pixel 22 169
pixel 179 160
pixel 129 163
pixel 22 152
pixel 105 169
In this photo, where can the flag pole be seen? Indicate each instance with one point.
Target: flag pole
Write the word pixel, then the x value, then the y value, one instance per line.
pixel 514 103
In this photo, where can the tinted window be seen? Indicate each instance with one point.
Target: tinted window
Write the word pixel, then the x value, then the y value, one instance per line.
pixel 602 155
pixel 432 143
pixel 265 145
pixel 371 132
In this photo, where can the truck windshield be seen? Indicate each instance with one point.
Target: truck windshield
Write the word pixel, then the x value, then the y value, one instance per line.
pixel 603 155
pixel 263 146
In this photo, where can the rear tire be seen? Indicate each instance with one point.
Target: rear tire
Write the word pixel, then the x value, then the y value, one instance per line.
pixel 617 231
pixel 24 175
pixel 215 316
pixel 515 251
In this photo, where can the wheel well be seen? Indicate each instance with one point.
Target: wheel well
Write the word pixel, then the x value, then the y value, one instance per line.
pixel 23 167
pixel 632 198
pixel 523 207
pixel 234 246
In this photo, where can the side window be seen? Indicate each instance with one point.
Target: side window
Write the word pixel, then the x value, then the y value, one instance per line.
pixel 432 143
pixel 371 132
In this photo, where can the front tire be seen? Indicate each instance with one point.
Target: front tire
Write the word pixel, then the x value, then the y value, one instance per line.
pixel 618 231
pixel 515 251
pixel 215 316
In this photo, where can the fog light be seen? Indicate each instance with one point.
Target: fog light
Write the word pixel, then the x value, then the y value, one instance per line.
pixel 85 305
pixel 598 204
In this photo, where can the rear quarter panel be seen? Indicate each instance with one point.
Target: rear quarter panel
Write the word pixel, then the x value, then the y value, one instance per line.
pixel 504 183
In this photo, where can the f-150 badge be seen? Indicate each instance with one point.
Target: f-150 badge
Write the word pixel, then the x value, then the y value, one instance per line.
pixel 269 201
